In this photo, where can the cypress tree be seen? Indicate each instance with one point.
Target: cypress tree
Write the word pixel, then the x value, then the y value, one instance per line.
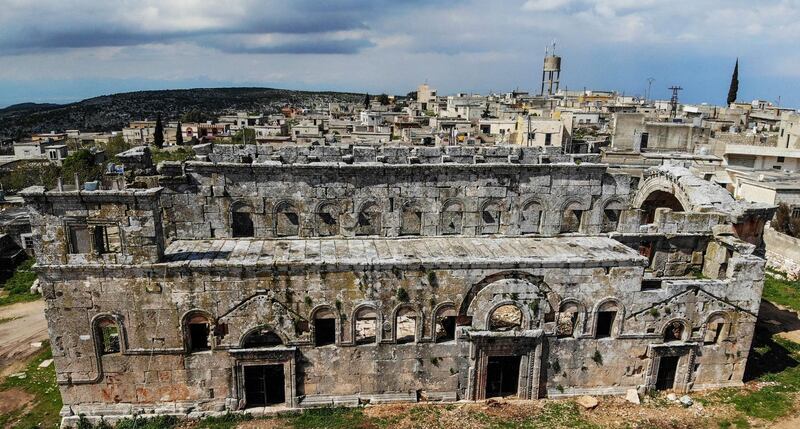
pixel 734 89
pixel 179 135
pixel 158 135
pixel 366 101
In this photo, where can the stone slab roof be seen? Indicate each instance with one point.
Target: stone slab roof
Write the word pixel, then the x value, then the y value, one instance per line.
pixel 453 252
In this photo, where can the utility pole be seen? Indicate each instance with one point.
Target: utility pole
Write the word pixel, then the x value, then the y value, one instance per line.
pixel 647 95
pixel 673 102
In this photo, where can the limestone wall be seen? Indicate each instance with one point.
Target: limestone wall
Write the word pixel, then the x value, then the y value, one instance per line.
pixel 783 252
pixel 537 196
pixel 155 370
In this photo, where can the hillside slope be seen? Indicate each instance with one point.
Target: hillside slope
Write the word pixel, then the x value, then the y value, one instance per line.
pixel 112 112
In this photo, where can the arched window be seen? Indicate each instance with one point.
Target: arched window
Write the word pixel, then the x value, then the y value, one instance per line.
pixel 505 318
pixel 571 219
pixel 327 220
pixel 673 331
pixel 324 327
pixel 107 334
pixel 406 325
pixel 261 337
pixel 411 219
pixel 445 328
pixel 717 329
pixel 530 218
pixel 606 319
pixel 241 220
pixel 287 220
pixel 452 218
pixel 611 213
pixel 567 319
pixel 369 220
pixel 490 217
pixel 198 331
pixel 366 324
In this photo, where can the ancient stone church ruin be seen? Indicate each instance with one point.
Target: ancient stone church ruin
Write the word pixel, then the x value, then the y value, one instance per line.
pixel 316 276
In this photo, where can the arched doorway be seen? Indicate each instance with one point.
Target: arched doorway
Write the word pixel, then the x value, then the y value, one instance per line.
pixel 659 199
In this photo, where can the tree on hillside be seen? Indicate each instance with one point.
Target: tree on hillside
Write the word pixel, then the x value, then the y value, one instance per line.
pixel 383 99
pixel 366 101
pixel 115 145
pixel 179 135
pixel 733 91
pixel 158 135
pixel 83 163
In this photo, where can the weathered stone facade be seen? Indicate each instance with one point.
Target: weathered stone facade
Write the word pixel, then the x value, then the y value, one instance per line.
pixel 232 285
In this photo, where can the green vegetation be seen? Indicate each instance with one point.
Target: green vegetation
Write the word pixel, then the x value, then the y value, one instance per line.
pixel 180 154
pixel 245 136
pixel 777 361
pixel 42 410
pixel 402 295
pixel 597 357
pixel 227 421
pixel 83 163
pixel 158 134
pixel 32 173
pixel 116 145
pixel 782 292
pixel 328 418
pixel 17 288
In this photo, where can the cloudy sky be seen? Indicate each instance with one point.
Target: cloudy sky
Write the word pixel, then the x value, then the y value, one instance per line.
pixel 66 50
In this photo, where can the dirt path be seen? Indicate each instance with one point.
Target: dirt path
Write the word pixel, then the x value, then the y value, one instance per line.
pixel 20 325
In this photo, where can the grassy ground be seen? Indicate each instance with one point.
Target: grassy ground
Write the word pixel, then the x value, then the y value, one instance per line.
pixel 182 153
pixel 40 384
pixel 782 292
pixel 17 288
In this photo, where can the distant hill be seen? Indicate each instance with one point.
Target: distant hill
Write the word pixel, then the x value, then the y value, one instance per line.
pixel 113 112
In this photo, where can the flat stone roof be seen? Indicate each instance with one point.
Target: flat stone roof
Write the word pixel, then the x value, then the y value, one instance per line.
pixel 339 254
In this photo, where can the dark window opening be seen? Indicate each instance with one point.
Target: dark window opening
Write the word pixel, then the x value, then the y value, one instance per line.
pixel 651 284
pixel 610 220
pixel 98 239
pixel 261 338
pixel 198 336
pixel 667 367
pixel 673 332
pixel 446 328
pixel 502 376
pixel 605 323
pixel 324 331
pixel 548 139
pixel 242 224
pixel 264 385
pixel 645 140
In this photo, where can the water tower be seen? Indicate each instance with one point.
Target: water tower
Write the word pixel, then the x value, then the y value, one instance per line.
pixel 551 71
